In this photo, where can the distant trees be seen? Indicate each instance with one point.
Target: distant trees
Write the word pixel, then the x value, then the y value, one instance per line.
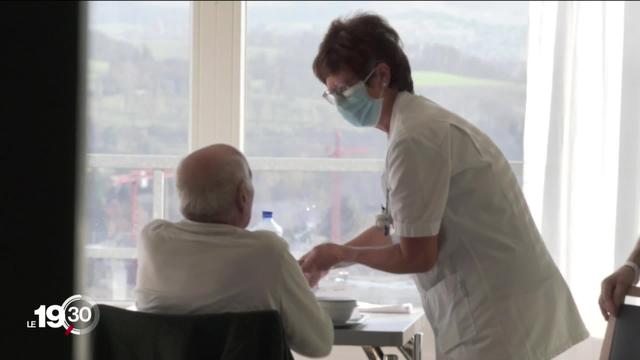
pixel 139 104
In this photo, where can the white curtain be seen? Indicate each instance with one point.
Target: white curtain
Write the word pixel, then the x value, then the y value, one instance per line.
pixel 581 156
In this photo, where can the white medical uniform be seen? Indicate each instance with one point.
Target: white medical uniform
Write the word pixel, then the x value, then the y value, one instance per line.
pixel 495 292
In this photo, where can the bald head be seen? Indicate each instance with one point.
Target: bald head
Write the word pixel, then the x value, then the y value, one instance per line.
pixel 214 185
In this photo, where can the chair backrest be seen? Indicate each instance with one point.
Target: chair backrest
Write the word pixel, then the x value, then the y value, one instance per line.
pixel 133 335
pixel 622 339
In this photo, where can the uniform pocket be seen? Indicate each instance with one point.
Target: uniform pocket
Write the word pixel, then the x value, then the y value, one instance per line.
pixel 447 308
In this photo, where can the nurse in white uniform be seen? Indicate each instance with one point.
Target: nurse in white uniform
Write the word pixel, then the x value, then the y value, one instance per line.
pixel 455 216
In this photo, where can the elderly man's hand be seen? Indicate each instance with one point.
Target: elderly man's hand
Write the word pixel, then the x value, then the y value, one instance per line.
pixel 614 289
pixel 317 262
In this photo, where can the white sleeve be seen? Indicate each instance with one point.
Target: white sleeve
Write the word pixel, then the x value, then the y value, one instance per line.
pixel 418 184
pixel 308 328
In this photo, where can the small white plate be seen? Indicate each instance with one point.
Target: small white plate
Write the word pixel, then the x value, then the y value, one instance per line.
pixel 353 322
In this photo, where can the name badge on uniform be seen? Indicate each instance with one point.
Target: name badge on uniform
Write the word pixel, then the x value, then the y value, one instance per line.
pixel 384 219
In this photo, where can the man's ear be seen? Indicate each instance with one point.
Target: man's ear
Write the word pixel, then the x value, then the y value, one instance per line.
pixel 242 196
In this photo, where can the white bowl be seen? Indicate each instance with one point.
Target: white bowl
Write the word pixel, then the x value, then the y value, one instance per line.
pixel 338 309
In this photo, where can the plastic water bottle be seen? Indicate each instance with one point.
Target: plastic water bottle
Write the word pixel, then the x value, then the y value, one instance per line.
pixel 267 223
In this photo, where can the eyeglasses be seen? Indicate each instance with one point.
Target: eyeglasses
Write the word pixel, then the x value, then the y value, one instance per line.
pixel 341 93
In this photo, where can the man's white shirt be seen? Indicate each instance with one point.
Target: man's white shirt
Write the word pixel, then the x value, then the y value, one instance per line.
pixel 194 268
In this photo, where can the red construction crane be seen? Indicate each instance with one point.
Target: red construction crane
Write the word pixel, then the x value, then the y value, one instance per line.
pixel 134 179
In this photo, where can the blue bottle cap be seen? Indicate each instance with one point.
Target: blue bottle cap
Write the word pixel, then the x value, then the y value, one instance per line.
pixel 267 214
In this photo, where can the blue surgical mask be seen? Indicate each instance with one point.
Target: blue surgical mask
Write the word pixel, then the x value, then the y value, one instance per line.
pixel 357 107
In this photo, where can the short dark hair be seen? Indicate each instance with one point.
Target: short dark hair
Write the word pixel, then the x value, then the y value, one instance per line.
pixel 358 44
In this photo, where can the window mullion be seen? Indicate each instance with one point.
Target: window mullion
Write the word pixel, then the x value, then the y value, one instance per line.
pixel 217 73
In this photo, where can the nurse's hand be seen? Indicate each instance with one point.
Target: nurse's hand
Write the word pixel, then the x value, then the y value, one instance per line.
pixel 317 262
pixel 313 278
pixel 614 289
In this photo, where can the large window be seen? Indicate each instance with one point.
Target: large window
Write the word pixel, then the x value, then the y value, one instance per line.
pixel 138 122
pixel 469 57
pixel 319 175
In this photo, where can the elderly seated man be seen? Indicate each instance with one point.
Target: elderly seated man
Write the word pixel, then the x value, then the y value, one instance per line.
pixel 210 263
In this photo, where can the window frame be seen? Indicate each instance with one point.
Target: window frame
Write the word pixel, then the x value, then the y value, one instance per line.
pixel 217 80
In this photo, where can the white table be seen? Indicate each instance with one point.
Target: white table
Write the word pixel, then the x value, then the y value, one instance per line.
pixel 402 331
